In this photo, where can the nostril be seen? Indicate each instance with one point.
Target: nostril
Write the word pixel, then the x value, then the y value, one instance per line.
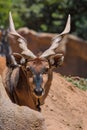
pixel 39 91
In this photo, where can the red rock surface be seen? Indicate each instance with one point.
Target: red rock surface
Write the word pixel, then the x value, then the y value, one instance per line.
pixel 2 64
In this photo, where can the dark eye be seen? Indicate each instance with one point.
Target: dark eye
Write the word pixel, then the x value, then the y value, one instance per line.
pixel 45 71
pixel 29 72
pixel 27 68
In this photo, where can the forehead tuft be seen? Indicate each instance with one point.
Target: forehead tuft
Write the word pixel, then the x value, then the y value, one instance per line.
pixel 38 61
pixel 38 64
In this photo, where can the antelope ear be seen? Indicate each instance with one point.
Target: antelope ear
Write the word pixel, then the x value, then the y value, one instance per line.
pixel 19 58
pixel 56 60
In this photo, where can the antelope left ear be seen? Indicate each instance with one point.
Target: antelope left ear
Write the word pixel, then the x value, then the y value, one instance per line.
pixel 56 60
pixel 19 58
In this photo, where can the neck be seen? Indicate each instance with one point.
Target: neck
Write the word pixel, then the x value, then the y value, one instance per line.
pixel 3 94
pixel 29 99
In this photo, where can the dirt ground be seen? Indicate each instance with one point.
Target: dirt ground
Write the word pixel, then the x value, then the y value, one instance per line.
pixel 65 107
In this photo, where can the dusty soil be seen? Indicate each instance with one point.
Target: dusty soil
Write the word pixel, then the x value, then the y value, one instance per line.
pixel 65 107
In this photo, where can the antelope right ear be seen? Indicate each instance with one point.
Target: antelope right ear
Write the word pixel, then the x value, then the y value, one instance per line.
pixel 56 60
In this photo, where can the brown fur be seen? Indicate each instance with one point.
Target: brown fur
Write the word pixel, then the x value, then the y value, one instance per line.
pixel 19 88
pixel 28 83
pixel 14 117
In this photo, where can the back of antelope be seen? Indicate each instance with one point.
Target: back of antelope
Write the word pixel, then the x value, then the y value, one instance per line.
pixel 28 77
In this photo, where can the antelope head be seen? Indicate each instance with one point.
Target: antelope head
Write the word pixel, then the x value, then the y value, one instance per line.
pixel 38 68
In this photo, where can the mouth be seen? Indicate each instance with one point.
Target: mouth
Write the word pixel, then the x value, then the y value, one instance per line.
pixel 38 96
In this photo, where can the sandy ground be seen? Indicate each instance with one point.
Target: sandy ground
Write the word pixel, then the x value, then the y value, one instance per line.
pixel 65 107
